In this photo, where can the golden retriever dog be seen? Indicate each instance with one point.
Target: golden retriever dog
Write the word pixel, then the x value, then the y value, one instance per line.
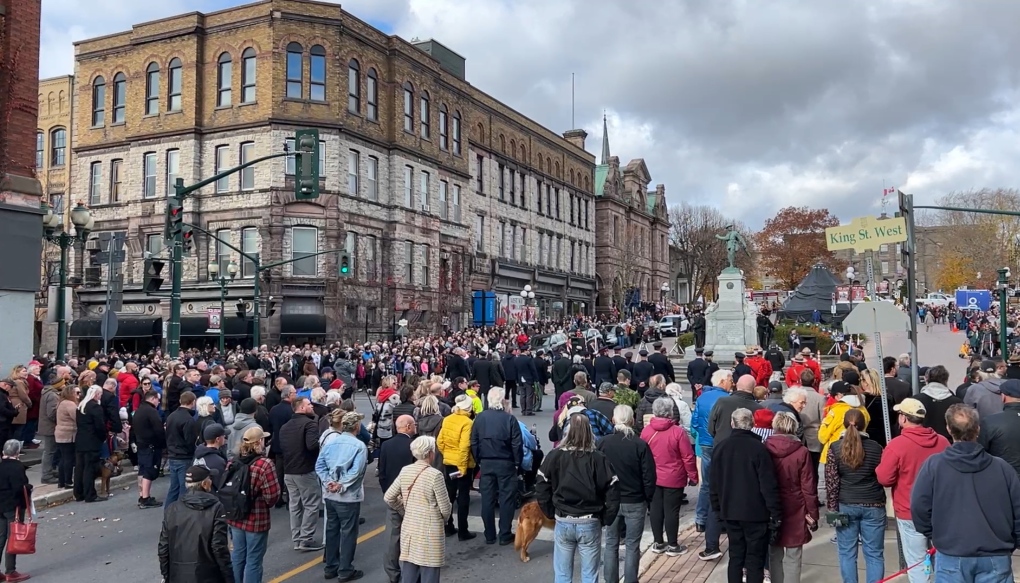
pixel 109 468
pixel 529 523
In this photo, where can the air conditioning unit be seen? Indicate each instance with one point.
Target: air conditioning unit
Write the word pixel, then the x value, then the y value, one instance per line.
pixel 424 208
pixel 92 276
pixel 92 245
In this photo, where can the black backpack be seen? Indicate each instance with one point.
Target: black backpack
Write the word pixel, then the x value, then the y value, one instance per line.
pixel 234 490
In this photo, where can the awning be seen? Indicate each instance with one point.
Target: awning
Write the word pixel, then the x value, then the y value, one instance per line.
pixel 232 326
pixel 303 325
pixel 126 327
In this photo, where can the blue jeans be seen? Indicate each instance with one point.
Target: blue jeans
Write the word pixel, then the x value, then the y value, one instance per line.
pixel 28 431
pixel 868 523
pixel 177 470
pixel 249 550
pixel 915 547
pixel 973 569
pixel 498 481
pixel 341 537
pixel 582 535
pixel 632 515
pixel 704 505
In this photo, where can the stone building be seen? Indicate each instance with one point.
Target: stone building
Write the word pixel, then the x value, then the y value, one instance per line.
pixel 431 185
pixel 632 249
pixel 20 215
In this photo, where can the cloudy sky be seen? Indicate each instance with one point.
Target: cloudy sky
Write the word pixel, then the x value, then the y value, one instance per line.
pixel 746 105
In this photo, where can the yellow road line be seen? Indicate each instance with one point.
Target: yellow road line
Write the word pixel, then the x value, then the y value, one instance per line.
pixel 317 561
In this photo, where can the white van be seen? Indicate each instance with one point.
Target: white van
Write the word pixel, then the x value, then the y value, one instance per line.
pixel 670 325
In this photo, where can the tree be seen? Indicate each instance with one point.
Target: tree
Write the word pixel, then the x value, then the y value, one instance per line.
pixel 978 242
pixel 793 241
pixel 955 270
pixel 702 256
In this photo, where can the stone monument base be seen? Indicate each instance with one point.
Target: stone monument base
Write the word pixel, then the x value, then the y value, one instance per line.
pixel 730 322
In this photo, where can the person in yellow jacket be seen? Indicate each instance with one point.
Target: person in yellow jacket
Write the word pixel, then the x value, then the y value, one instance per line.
pixel 454 442
pixel 847 397
pixel 476 401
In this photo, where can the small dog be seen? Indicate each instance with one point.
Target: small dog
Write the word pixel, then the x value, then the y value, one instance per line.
pixel 109 468
pixel 529 523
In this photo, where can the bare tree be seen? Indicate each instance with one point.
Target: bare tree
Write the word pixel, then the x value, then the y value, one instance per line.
pixel 692 232
pixel 985 241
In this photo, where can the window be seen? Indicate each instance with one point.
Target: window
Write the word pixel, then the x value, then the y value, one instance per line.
pixel 58 147
pixel 558 205
pixel 586 214
pixel 154 244
pixel 248 75
pixel 149 175
pixel 524 191
pixel 478 177
pixel 351 247
pixel 354 86
pixel 548 201
pixel 372 86
pixel 408 107
pixel 115 179
pixel 524 244
pixel 57 203
pixel 444 210
pixel 408 262
pixel 883 248
pixel 885 267
pixel 513 242
pixel 371 267
pixel 480 233
pixel 444 130
pixel 371 178
pixel 250 245
pixel 295 75
pixel 322 158
pixel 557 259
pixel 456 203
pixel 426 257
pixel 224 80
pixel 95 183
pixel 456 133
pixel 152 89
pixel 222 251
pixel 221 164
pixel 173 170
pixel 423 190
pixel 248 174
pixel 289 164
pixel 317 74
pixel 40 152
pixel 176 84
pixel 570 198
pixel 408 186
pixel 538 198
pixel 573 255
pixel 119 97
pixel 304 242
pixel 502 183
pixel 426 129
pixel 353 164
pixel 513 187
pixel 502 239
pixel 98 102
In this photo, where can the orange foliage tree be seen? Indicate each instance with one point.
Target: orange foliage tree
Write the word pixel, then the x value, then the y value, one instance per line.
pixel 957 269
pixel 792 242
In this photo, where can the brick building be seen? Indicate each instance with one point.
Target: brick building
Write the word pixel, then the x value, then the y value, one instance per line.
pixel 436 189
pixel 632 249
pixel 20 215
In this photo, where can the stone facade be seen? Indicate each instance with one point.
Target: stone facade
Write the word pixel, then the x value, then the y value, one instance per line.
pixel 388 193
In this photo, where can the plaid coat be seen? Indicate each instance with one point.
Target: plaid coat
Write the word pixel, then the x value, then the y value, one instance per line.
pixel 265 489
pixel 419 492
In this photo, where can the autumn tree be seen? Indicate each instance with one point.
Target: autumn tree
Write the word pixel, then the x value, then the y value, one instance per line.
pixel 692 234
pixel 976 242
pixel 955 270
pixel 793 241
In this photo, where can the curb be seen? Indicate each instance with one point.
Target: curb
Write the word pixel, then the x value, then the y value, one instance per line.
pixel 67 494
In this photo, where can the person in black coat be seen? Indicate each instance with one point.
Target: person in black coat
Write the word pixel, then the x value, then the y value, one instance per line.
pixel 15 492
pixel 280 415
pixel 620 362
pixel 605 368
pixel 150 439
pixel 87 442
pixel 111 406
pixel 456 366
pixel 661 362
pixel 510 375
pixel 173 389
pixel 8 410
pixel 527 378
pixel 562 375
pixel 181 439
pixel 643 371
pixel 193 541
pixel 488 373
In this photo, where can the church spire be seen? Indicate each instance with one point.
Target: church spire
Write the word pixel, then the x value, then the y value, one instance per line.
pixel 605 140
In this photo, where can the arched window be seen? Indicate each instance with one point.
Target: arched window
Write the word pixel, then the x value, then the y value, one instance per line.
pixel 119 97
pixel 456 133
pixel 481 133
pixel 372 90
pixel 444 128
pixel 540 166
pixel 248 75
pixel 176 84
pixel 295 76
pixel 587 184
pixel 524 153
pixel 557 173
pixel 548 164
pixel 502 143
pixel 224 80
pixel 58 147
pixel 426 126
pixel 98 102
pixel 408 107
pixel 572 177
pixel 513 148
pixel 317 73
pixel 354 86
pixel 40 159
pixel 152 89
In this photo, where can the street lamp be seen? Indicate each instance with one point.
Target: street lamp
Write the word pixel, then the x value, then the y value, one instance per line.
pixel 850 274
pixel 1003 287
pixel 663 291
pixel 53 231
pixel 224 279
pixel 527 294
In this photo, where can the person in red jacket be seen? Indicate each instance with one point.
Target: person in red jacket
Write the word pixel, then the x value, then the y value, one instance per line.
pixel 761 367
pixel 127 382
pixel 901 461
pixel 797 366
pixel 813 364
pixel 798 492
pixel 35 390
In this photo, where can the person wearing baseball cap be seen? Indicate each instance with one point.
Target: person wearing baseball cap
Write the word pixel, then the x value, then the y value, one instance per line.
pixel 985 395
pixel 250 534
pixel 193 541
pixel 845 397
pixel 341 469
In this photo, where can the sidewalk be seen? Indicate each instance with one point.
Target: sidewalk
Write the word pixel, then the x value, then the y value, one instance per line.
pixel 49 494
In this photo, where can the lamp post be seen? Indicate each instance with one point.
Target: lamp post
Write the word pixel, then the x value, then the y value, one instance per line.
pixel 529 297
pixel 53 231
pixel 1003 285
pixel 663 292
pixel 224 280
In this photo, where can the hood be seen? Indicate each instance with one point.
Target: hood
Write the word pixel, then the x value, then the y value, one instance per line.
pixel 991 385
pixel 243 420
pixel 851 400
pixel 921 436
pixel 967 457
pixel 204 450
pixel 781 446
pixel 564 398
pixel 661 423
pixel 937 391
pixel 652 394
pixel 706 388
pixel 384 395
pixel 198 500
pixel 429 424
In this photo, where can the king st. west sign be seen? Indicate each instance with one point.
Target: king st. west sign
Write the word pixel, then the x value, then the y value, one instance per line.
pixel 864 233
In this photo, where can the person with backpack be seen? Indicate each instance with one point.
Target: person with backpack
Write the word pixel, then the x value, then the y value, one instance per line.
pixel 341 466
pixel 248 490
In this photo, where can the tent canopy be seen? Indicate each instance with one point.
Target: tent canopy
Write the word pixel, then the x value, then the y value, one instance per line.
pixel 813 293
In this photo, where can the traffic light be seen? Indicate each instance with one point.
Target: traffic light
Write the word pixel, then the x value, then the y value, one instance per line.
pixel 242 310
pixel 306 164
pixel 270 307
pixel 174 220
pixel 187 240
pixel 152 278
pixel 906 204
pixel 345 265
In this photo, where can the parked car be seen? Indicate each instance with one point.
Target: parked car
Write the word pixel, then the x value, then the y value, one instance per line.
pixel 548 342
pixel 670 325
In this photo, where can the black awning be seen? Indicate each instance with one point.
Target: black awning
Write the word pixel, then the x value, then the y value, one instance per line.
pixel 126 327
pixel 198 326
pixel 303 325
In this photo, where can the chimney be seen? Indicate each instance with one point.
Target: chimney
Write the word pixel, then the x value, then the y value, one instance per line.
pixel 575 137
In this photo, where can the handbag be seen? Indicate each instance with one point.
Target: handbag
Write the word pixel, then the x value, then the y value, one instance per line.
pixel 21 538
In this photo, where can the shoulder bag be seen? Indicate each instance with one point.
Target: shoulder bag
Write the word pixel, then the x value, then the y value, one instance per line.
pixel 21 538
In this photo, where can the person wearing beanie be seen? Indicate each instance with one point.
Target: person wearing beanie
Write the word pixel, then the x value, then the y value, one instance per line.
pixel 763 423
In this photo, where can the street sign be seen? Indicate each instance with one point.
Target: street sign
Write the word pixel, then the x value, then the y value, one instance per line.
pixel 864 233
pixel 108 326
pixel 872 317
pixel 106 257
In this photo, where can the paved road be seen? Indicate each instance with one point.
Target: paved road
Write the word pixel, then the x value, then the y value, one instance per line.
pixel 940 346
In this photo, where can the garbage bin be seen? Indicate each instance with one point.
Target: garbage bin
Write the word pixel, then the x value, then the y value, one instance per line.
pixel 809 342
